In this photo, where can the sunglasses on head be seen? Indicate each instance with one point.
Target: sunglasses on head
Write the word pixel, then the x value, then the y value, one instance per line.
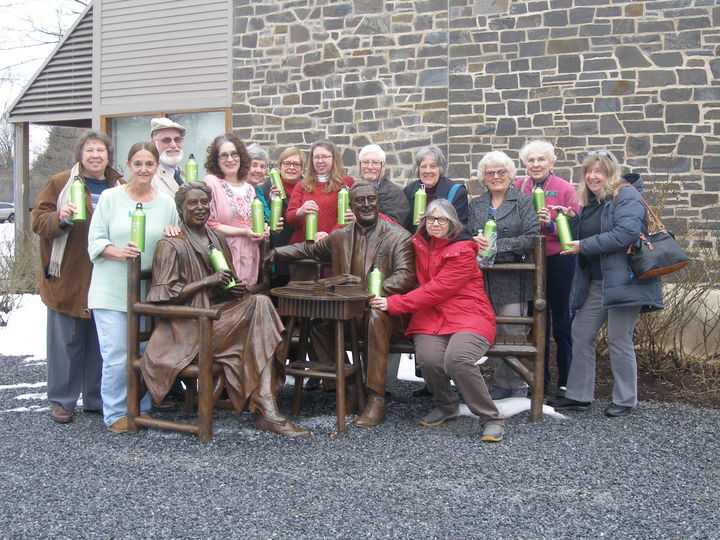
pixel 602 153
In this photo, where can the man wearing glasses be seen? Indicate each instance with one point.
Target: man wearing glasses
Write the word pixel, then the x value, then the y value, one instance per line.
pixel 354 249
pixel 168 137
pixel 393 202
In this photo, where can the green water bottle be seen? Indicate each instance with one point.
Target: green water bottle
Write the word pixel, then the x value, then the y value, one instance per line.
pixel 218 261
pixel 274 176
pixel 191 169
pixel 311 226
pixel 258 216
pixel 137 227
pixel 343 205
pixel 419 204
pixel 538 197
pixel 77 197
pixel 275 212
pixel 375 279
pixel 563 228
pixel 490 233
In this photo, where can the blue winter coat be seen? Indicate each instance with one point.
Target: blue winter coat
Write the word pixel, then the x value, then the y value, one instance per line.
pixel 620 226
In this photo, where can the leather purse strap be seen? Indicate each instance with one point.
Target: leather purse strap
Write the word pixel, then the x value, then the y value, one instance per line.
pixel 655 220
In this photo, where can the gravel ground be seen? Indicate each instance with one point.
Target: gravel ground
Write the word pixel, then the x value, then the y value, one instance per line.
pixel 654 474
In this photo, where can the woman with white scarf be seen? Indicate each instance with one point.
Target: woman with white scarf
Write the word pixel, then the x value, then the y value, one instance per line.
pixel 74 364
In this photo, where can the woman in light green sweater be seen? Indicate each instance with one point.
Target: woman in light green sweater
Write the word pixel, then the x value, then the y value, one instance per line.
pixel 109 247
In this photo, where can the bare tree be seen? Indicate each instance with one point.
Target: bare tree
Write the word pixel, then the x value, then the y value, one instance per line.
pixel 22 31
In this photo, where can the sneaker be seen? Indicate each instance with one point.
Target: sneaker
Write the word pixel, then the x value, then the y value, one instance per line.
pixel 567 404
pixel 60 414
pixel 498 392
pixel 493 433
pixel 614 411
pixel 561 391
pixel 437 417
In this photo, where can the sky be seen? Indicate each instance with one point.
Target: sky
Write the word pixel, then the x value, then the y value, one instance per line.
pixel 24 47
pixel 22 43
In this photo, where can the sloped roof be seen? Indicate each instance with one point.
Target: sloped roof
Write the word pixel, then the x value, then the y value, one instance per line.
pixel 60 92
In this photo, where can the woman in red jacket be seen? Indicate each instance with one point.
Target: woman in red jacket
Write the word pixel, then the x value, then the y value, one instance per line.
pixel 317 193
pixel 452 321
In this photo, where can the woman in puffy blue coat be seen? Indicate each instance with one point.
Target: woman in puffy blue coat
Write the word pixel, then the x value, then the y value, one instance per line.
pixel 611 217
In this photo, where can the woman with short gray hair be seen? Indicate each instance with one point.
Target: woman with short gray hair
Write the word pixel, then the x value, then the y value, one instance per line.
pixel 452 321
pixel 430 168
pixel 539 158
pixel 517 225
pixel 257 173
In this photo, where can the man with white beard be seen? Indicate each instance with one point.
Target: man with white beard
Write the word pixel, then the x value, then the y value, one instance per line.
pixel 168 138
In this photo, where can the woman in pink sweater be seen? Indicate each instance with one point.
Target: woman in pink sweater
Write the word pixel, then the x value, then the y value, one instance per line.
pixel 230 209
pixel 539 158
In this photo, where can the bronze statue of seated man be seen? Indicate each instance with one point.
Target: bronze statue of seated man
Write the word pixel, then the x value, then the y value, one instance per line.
pixel 246 337
pixel 369 241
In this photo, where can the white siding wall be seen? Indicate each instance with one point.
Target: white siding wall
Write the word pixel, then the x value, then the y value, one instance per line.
pixel 163 55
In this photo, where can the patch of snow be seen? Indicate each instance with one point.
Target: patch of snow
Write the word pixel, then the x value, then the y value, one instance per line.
pixel 23 385
pixel 26 329
pixel 41 395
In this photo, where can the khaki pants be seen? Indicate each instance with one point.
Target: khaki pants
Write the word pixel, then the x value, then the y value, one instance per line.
pixel 453 356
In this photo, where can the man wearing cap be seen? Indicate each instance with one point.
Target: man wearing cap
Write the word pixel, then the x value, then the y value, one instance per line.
pixel 168 138
pixel 393 202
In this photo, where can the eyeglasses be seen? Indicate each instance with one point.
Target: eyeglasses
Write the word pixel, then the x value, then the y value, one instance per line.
pixel 291 164
pixel 231 155
pixel 371 163
pixel 322 158
pixel 168 140
pixel 439 220
pixel 501 173
pixel 603 153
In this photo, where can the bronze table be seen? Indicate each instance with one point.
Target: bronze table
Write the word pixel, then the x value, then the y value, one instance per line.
pixel 338 304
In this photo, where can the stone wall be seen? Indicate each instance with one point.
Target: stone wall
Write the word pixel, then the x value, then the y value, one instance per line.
pixel 639 78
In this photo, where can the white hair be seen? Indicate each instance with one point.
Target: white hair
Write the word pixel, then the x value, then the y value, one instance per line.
pixel 538 145
pixel 372 148
pixel 496 158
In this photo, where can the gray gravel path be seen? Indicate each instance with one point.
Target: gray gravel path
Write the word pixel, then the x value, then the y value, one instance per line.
pixel 654 474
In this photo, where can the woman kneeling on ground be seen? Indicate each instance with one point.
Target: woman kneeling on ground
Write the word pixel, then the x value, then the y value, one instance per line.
pixel 452 321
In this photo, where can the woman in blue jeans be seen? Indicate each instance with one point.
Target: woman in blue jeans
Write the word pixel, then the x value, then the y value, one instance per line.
pixel 110 247
pixel 604 289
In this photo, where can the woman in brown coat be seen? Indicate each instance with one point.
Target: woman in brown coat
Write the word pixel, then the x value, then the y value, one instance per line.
pixel 74 364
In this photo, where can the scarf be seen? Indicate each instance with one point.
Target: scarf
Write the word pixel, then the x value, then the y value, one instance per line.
pixel 59 243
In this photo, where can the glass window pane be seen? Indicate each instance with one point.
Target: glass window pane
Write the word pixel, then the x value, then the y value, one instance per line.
pixel 126 131
pixel 202 128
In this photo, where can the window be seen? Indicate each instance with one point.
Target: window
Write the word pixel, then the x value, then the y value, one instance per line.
pixel 202 127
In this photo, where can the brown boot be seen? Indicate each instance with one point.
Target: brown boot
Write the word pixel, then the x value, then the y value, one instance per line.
pixel 286 428
pixel 374 412
pixel 263 398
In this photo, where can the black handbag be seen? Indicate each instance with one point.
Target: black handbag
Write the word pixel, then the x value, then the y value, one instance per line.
pixel 656 253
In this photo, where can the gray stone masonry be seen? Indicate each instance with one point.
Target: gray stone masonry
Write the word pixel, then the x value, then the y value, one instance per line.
pixel 639 78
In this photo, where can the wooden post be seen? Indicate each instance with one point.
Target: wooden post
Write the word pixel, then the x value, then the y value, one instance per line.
pixel 21 179
pixel 133 330
pixel 539 323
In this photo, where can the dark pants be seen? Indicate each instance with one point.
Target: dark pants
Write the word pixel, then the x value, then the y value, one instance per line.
pixel 560 270
pixel 74 364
